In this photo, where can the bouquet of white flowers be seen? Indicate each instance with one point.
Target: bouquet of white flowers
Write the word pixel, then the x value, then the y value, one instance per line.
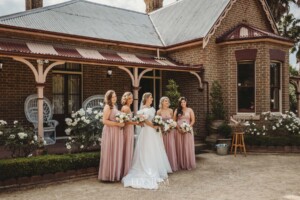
pixel 158 121
pixel 186 128
pixel 139 118
pixel 122 117
pixel 169 125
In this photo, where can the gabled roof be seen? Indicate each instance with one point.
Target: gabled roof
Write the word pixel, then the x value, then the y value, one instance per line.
pixel 246 32
pixel 89 19
pixel 32 49
pixel 187 19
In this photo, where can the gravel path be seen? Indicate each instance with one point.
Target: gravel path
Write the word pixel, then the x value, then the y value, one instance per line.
pixel 255 177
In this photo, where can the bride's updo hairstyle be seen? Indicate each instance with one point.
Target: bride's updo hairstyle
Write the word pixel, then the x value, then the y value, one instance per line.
pixel 179 108
pixel 161 101
pixel 108 97
pixel 145 97
pixel 125 97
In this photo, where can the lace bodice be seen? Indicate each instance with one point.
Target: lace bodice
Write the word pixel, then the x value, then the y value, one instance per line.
pixel 148 112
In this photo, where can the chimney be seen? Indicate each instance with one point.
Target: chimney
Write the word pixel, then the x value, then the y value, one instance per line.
pixel 32 4
pixel 152 5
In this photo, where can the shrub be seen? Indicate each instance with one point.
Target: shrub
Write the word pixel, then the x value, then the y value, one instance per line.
pixel 252 140
pixel 84 129
pixel 19 141
pixel 216 101
pixel 173 93
pixel 276 125
pixel 225 130
pixel 22 167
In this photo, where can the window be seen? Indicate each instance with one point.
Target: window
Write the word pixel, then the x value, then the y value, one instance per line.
pixel 66 90
pixel 246 87
pixel 151 82
pixel 275 86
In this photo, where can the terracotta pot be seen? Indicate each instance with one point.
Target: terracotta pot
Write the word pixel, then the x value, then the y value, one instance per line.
pixel 216 124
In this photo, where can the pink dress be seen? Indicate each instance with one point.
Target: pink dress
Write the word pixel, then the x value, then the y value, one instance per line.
pixel 111 155
pixel 185 145
pixel 128 147
pixel 169 142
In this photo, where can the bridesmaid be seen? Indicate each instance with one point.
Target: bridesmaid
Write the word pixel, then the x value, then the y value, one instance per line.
pixel 111 155
pixel 185 147
pixel 168 138
pixel 126 101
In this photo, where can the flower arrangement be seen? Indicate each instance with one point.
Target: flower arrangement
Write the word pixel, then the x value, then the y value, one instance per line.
pixel 186 128
pixel 169 125
pixel 84 129
pixel 158 121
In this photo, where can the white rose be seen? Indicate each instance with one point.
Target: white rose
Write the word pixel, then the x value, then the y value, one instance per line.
pixel 35 138
pixel 69 146
pixel 15 122
pixel 11 136
pixel 101 104
pixel 1 133
pixel 81 146
pixel 68 131
pixel 69 138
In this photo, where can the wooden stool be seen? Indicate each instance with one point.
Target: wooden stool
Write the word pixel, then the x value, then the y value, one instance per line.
pixel 238 141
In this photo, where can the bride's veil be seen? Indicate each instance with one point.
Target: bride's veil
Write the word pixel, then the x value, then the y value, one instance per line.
pixel 138 128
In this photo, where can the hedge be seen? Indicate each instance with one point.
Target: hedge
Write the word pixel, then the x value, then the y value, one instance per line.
pixel 293 140
pixel 47 164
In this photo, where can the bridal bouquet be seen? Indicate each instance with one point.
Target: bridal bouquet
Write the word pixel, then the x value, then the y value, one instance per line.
pixel 186 128
pixel 139 118
pixel 158 121
pixel 169 125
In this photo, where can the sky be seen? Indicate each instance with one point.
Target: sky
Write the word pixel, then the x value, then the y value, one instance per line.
pixel 14 6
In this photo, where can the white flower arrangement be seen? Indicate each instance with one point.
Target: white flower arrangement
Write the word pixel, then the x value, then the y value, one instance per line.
pixel 2 123
pixel 22 135
pixel 169 125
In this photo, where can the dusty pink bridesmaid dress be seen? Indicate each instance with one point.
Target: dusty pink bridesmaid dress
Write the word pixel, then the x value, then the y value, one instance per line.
pixel 185 145
pixel 111 159
pixel 169 142
pixel 128 147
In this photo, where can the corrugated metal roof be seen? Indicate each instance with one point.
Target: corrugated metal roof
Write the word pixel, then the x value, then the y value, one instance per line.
pixel 179 22
pixel 65 52
pixel 89 19
pixel 187 19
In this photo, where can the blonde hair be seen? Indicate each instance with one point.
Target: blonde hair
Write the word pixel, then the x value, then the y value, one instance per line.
pixel 125 98
pixel 107 98
pixel 162 100
pixel 145 97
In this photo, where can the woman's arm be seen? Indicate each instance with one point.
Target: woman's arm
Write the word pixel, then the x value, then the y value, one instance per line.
pixel 106 121
pixel 192 115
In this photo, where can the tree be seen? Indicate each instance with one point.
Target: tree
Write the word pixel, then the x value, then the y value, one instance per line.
pixel 173 93
pixel 281 7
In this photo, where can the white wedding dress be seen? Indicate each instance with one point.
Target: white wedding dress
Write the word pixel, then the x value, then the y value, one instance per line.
pixel 150 162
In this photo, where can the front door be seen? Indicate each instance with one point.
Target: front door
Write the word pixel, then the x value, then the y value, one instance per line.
pixel 151 82
pixel 66 93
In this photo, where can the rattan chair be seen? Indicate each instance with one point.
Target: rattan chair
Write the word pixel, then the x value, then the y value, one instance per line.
pixel 31 113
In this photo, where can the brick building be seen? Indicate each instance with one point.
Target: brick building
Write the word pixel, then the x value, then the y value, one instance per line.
pixel 193 42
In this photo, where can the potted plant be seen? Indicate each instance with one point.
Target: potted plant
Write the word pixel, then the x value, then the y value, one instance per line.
pixel 217 106
pixel 225 132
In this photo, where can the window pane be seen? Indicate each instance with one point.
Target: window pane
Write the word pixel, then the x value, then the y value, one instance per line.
pixel 275 86
pixel 246 87
pixel 58 93
pixel 73 66
pixel 73 103
pixel 275 75
pixel 246 99
pixel 246 75
pixel 157 72
pixel 274 99
pixel 74 84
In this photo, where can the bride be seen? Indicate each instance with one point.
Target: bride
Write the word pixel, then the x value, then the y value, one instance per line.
pixel 150 162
